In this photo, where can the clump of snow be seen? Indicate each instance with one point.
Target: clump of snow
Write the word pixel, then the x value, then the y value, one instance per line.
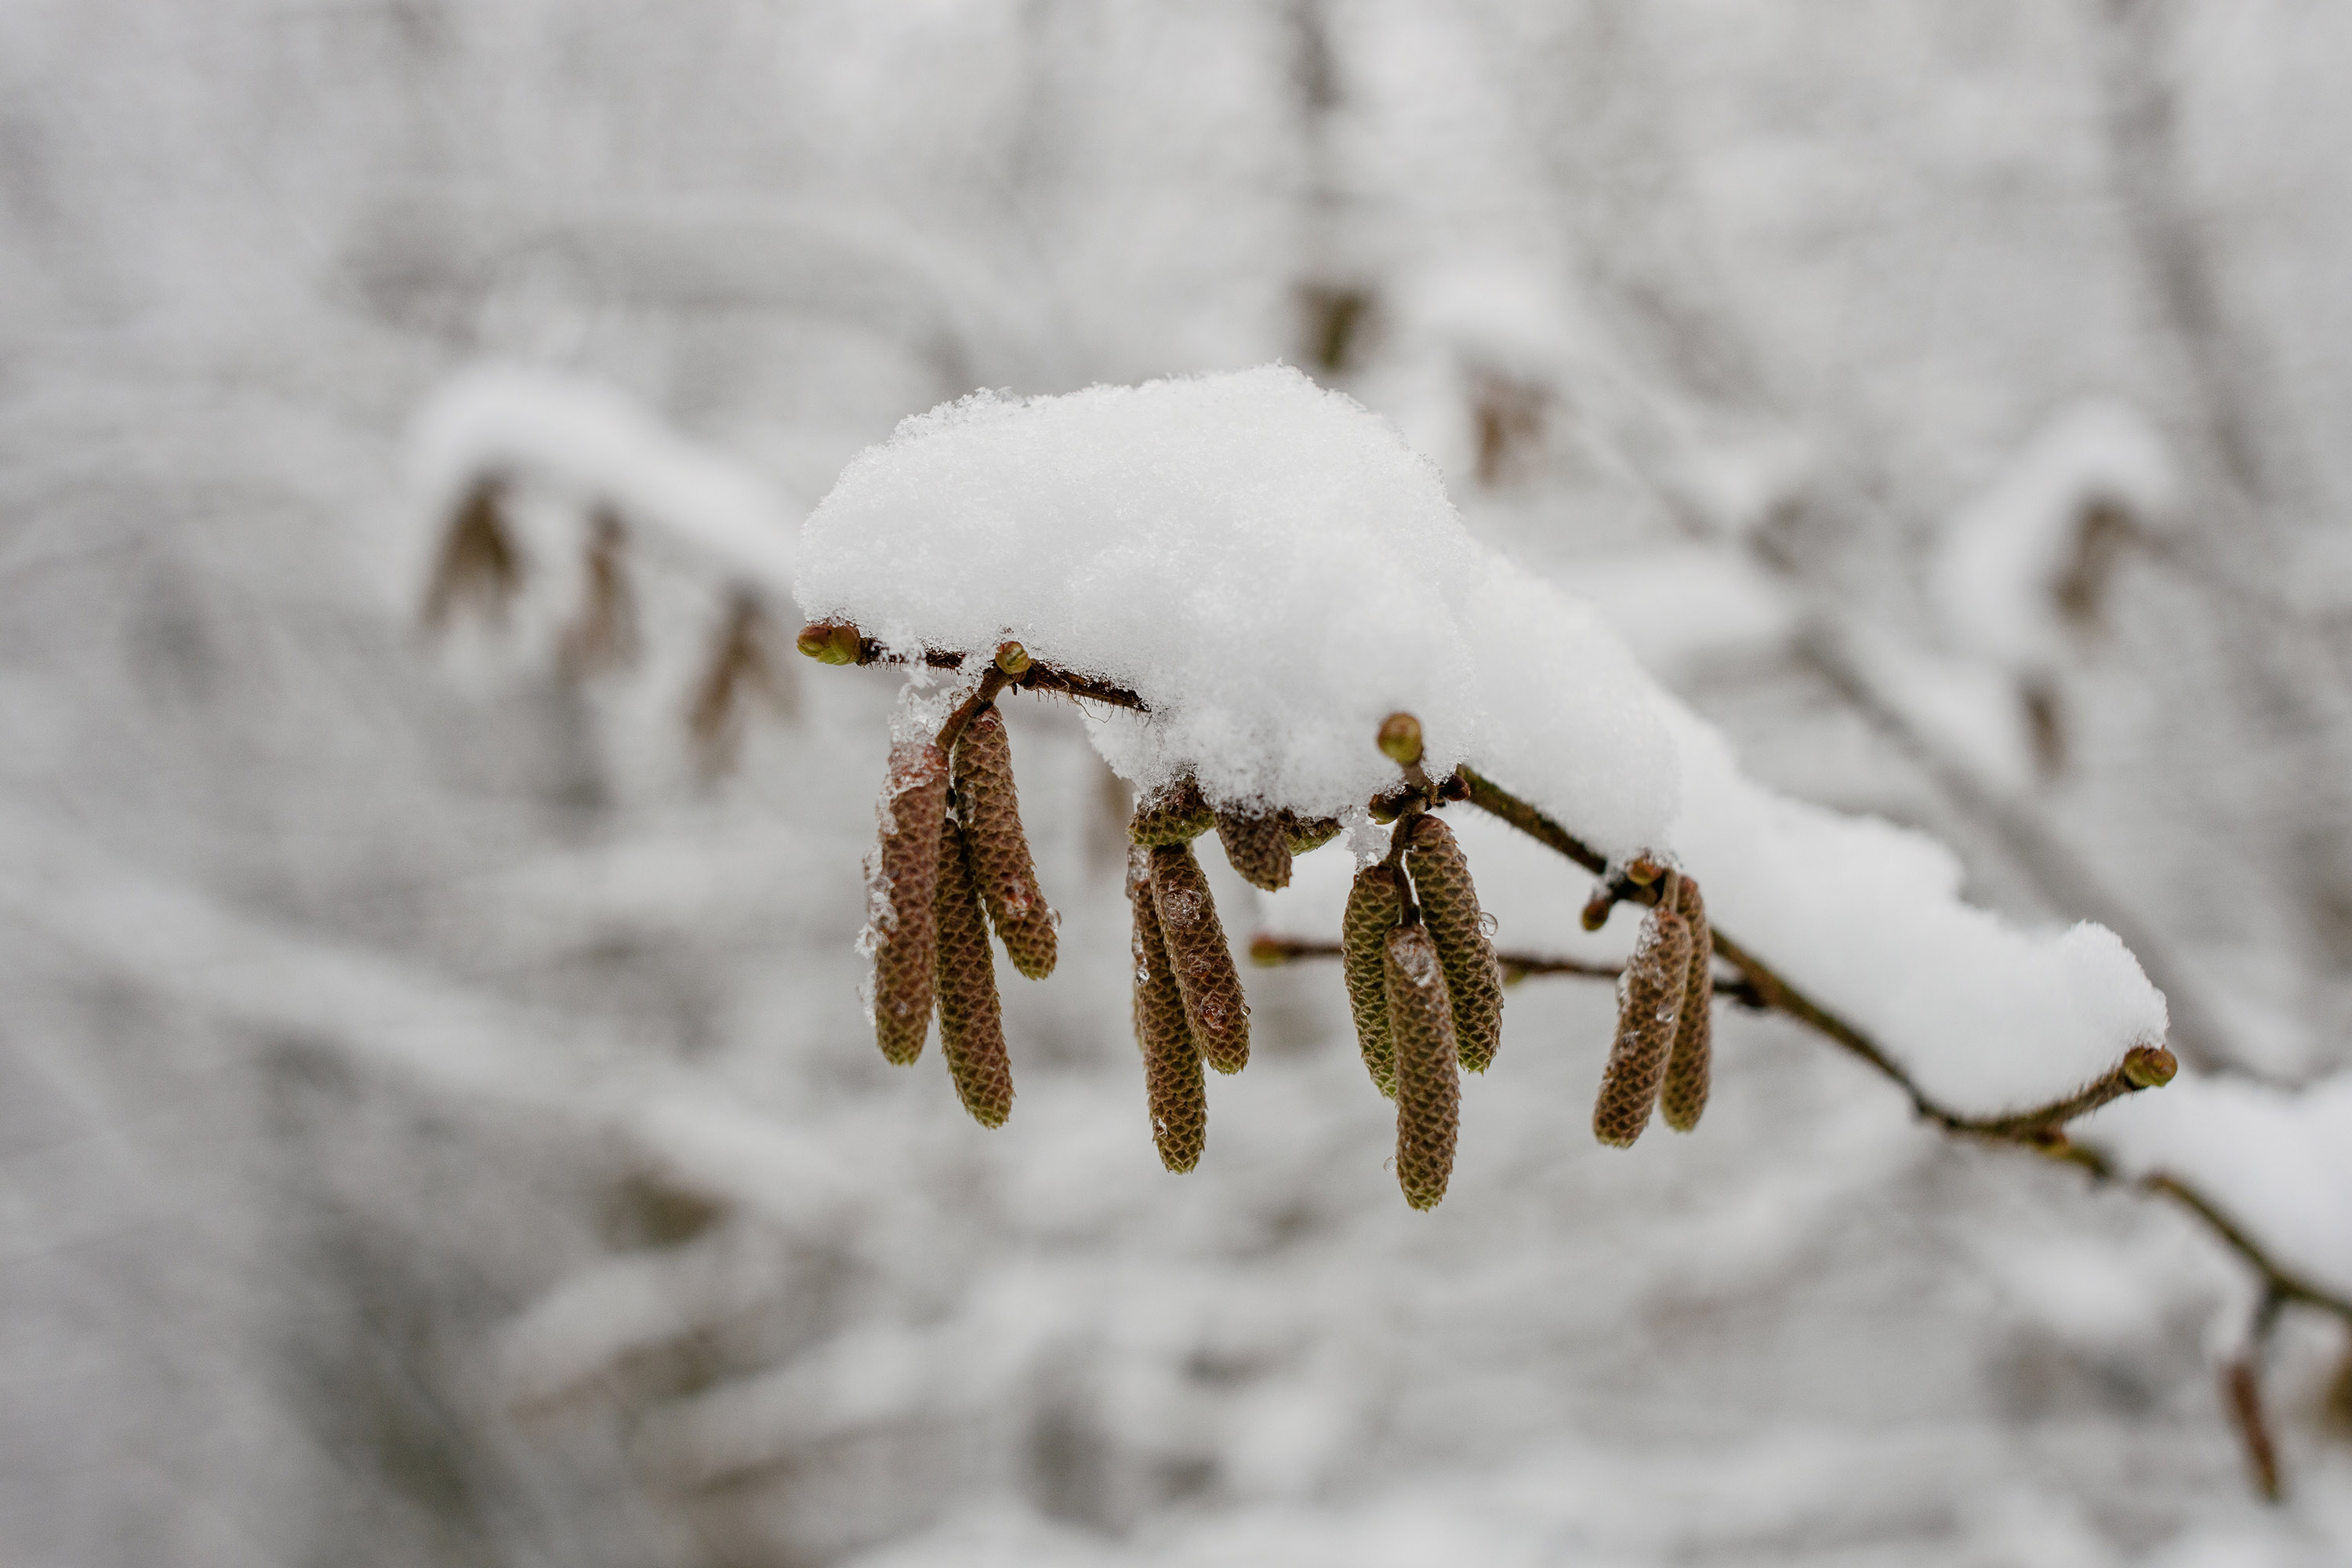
pixel 591 438
pixel 1997 574
pixel 2277 1163
pixel 1866 917
pixel 1270 566
pixel 1272 571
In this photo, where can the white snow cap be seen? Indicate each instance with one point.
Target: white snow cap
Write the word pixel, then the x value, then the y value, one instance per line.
pixel 1271 569
pixel 1267 564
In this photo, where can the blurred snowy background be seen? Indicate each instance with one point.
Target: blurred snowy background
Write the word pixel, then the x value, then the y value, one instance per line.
pixel 436 1121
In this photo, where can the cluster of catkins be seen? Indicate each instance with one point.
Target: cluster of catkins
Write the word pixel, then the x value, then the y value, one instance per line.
pixel 1423 980
pixel 952 862
pixel 1662 1053
pixel 1426 992
pixel 1189 1007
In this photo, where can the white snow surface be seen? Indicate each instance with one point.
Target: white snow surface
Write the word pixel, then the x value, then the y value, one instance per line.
pixel 2278 1163
pixel 1270 566
pixel 592 438
pixel 1273 570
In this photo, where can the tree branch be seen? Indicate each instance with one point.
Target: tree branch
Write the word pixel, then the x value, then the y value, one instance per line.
pixel 2041 1130
pixel 1036 677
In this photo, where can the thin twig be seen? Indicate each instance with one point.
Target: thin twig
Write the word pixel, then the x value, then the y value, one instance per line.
pixel 1039 676
pixel 1270 951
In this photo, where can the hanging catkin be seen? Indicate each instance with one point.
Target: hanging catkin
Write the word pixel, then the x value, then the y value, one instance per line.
pixel 604 635
pixel 972 1025
pixel 1428 1085
pixel 477 561
pixel 1000 851
pixel 1171 1061
pixel 1449 903
pixel 1177 815
pixel 902 875
pixel 1258 847
pixel 1649 1000
pixel 1375 905
pixel 1212 987
pixel 1691 1064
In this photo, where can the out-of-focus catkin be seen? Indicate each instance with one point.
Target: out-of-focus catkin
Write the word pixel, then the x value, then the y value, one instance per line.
pixel 1258 847
pixel 1690 1066
pixel 901 929
pixel 1212 987
pixel 1649 1001
pixel 604 635
pixel 1449 903
pixel 477 561
pixel 1171 1061
pixel 972 1025
pixel 1177 815
pixel 1428 1083
pixel 1001 863
pixel 1375 905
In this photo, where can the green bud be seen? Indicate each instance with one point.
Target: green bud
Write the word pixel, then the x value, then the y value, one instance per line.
pixel 2149 1067
pixel 829 642
pixel 1401 739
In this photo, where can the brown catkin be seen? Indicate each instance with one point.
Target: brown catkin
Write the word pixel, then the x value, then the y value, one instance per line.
pixel 1171 1061
pixel 1375 906
pixel 901 931
pixel 1649 1001
pixel 1258 847
pixel 1428 1084
pixel 1177 815
pixel 1449 902
pixel 1307 835
pixel 972 1025
pixel 1212 987
pixel 1691 1064
pixel 477 560
pixel 1000 850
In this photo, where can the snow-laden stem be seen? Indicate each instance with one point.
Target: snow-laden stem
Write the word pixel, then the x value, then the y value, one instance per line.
pixel 2041 1130
pixel 1037 676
